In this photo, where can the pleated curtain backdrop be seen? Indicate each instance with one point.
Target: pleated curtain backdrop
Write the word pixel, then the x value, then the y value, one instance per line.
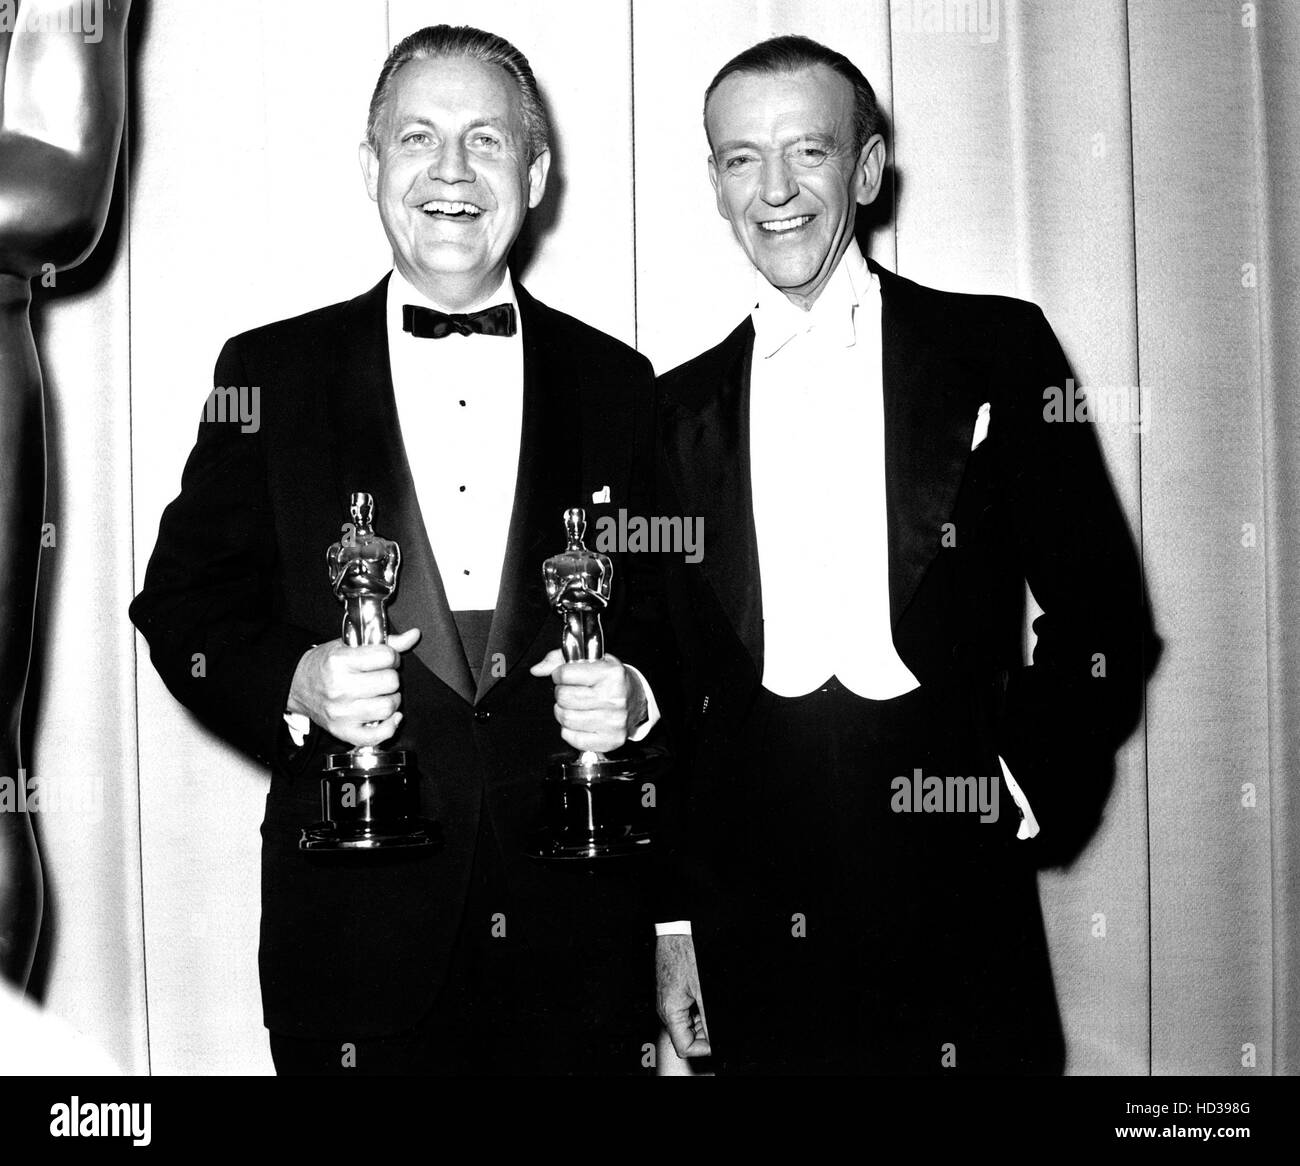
pixel 1130 167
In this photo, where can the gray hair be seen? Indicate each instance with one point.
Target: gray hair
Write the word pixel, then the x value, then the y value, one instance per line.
pixel 789 54
pixel 444 40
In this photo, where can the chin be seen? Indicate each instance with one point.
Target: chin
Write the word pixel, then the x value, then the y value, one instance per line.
pixel 787 269
pixel 794 280
pixel 446 261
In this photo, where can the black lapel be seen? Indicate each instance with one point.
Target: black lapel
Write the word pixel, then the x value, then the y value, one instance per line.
pixel 548 483
pixel 928 426
pixel 708 458
pixel 370 455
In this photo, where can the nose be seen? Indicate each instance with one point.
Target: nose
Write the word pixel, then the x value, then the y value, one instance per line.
pixel 451 163
pixel 778 185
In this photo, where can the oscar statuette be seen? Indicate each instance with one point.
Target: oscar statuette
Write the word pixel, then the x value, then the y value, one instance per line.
pixel 595 807
pixel 370 796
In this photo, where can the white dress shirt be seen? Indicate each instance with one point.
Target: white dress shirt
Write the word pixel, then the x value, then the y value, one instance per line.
pixel 460 402
pixel 817 457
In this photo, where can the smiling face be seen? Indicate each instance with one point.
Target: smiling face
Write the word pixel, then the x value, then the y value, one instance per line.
pixel 786 173
pixel 451 175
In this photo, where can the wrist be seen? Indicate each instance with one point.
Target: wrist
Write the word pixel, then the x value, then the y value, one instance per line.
pixel 292 703
pixel 638 708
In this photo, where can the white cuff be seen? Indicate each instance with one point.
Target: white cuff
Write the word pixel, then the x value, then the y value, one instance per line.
pixel 1028 827
pixel 299 726
pixel 651 709
pixel 680 927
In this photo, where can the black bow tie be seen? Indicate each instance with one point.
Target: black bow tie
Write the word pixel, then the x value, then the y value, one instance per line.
pixel 430 324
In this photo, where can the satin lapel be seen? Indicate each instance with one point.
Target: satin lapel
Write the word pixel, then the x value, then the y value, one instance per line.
pixel 370 455
pixel 928 428
pixel 548 483
pixel 709 464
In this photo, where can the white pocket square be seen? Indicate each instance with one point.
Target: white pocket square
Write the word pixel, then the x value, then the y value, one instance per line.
pixel 981 426
pixel 601 495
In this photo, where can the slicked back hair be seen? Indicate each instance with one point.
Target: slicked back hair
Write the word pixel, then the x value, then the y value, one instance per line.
pixel 444 40
pixel 789 54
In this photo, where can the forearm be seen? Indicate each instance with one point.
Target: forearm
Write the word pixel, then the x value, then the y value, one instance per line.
pixel 233 674
pixel 213 606
pixel 1061 718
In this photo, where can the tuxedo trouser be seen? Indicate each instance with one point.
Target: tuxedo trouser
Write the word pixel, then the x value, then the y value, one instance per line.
pixel 504 1008
pixel 855 934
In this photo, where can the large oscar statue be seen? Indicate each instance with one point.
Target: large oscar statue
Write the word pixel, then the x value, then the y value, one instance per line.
pixel 595 807
pixel 62 98
pixel 370 797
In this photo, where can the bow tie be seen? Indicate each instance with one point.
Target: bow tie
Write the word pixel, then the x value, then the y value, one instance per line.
pixel 430 324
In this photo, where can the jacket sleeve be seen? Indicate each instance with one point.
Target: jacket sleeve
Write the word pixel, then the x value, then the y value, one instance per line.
pixel 646 637
pixel 212 604
pixel 1064 715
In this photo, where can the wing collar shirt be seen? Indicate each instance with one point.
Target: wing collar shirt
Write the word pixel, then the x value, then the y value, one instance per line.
pixel 817 452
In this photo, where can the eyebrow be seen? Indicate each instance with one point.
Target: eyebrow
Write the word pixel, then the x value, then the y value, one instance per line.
pixel 495 123
pixel 746 144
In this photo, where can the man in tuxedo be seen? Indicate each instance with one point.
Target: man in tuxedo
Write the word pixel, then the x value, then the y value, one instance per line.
pixel 873 771
pixel 474 416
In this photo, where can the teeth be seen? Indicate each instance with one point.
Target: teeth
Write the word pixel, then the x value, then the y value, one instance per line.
pixel 440 206
pixel 779 225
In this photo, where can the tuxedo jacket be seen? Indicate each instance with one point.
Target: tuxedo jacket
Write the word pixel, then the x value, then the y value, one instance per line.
pixel 239 576
pixel 966 529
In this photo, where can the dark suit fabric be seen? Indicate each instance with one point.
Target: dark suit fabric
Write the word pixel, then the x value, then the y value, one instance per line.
pixel 360 948
pixel 921 946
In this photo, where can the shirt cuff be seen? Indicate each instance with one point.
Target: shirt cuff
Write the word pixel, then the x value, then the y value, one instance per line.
pixel 299 726
pixel 1028 827
pixel 651 712
pixel 680 927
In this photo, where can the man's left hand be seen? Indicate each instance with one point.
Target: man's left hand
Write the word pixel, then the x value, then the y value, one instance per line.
pixel 599 703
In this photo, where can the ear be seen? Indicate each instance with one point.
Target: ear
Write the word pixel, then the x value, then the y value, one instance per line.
pixel 369 169
pixel 717 187
pixel 537 172
pixel 870 172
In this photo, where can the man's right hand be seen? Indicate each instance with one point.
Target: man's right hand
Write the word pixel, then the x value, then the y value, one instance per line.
pixel 352 693
pixel 681 1007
